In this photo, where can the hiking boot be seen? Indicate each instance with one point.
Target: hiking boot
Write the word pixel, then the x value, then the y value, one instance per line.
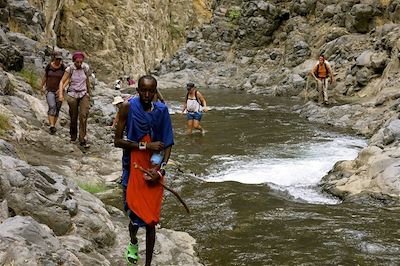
pixel 84 144
pixel 132 254
pixel 52 130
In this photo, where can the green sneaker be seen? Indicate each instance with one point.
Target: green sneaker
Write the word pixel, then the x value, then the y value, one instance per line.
pixel 132 254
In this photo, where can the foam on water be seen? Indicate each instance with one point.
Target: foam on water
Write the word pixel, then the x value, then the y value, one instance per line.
pixel 298 175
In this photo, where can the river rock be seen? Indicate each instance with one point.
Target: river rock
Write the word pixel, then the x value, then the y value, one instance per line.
pixel 23 241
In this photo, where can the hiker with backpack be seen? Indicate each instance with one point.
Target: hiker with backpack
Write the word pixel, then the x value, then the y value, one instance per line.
pixel 321 71
pixel 78 96
pixel 54 72
pixel 194 105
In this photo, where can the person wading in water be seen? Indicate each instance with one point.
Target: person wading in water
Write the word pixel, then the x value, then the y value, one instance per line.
pixel 149 132
pixel 195 104
pixel 320 72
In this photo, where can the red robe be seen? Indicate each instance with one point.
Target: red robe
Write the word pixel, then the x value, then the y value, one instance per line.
pixel 143 198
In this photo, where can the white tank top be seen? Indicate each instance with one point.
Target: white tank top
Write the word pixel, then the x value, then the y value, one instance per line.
pixel 192 105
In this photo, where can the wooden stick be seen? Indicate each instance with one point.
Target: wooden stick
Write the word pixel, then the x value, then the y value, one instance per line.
pixel 165 186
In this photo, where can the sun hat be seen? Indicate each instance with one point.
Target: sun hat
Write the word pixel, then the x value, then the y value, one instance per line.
pixel 117 100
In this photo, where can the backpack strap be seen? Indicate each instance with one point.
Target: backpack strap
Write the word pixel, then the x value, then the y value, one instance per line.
pixel 197 99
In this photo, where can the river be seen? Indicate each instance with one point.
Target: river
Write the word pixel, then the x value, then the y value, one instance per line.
pixel 251 183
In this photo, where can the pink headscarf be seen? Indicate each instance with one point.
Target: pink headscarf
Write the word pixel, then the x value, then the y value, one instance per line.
pixel 78 54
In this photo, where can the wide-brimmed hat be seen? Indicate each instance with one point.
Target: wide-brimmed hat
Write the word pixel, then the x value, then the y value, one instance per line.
pixel 117 100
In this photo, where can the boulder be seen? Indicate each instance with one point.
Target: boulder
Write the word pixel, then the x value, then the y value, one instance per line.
pixel 10 58
pixel 23 241
pixel 303 7
pixel 360 18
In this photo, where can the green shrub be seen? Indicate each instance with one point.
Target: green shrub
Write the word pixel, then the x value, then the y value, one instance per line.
pixel 4 123
pixel 233 14
pixel 30 77
pixel 93 187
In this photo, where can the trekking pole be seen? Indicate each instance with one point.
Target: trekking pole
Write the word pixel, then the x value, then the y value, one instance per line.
pixel 165 186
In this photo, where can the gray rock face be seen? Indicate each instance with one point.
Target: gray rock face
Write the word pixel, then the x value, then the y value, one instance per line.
pixel 360 18
pixel 23 241
pixel 10 58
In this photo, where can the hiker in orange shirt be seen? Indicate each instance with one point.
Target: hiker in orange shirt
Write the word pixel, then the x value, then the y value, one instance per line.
pixel 320 72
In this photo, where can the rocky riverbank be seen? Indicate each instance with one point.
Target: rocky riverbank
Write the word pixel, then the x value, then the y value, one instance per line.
pixel 265 47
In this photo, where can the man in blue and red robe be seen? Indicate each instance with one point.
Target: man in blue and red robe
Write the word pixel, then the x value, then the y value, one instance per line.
pixel 149 131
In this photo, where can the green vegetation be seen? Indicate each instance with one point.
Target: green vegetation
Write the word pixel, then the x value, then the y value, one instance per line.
pixel 233 14
pixel 4 123
pixel 93 187
pixel 30 77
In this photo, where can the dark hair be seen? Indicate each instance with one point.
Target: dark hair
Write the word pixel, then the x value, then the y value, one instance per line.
pixel 148 77
pixel 189 85
pixel 322 55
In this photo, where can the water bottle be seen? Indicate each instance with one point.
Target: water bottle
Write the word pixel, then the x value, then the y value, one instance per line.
pixel 157 158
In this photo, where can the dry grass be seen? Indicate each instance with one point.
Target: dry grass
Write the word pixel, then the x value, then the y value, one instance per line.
pixel 4 124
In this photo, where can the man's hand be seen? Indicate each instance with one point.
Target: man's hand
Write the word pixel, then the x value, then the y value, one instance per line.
pixel 152 175
pixel 155 146
pixel 43 90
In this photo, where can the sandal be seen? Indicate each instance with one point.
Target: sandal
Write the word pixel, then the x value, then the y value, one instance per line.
pixel 132 254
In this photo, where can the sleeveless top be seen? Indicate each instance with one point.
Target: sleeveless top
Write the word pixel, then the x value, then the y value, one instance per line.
pixel 193 105
pixel 54 76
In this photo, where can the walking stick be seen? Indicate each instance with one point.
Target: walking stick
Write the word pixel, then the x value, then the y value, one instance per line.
pixel 165 186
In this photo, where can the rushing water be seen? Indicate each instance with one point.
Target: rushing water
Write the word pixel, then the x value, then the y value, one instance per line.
pixel 253 192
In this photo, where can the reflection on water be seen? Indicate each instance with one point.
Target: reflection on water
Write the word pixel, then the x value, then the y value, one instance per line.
pixel 253 189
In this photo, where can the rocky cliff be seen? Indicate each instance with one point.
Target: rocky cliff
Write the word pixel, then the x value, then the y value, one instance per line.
pixel 120 37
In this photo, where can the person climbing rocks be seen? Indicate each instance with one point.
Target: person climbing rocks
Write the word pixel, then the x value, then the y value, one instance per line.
pixel 194 105
pixel 321 71
pixel 149 131
pixel 53 74
pixel 78 96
